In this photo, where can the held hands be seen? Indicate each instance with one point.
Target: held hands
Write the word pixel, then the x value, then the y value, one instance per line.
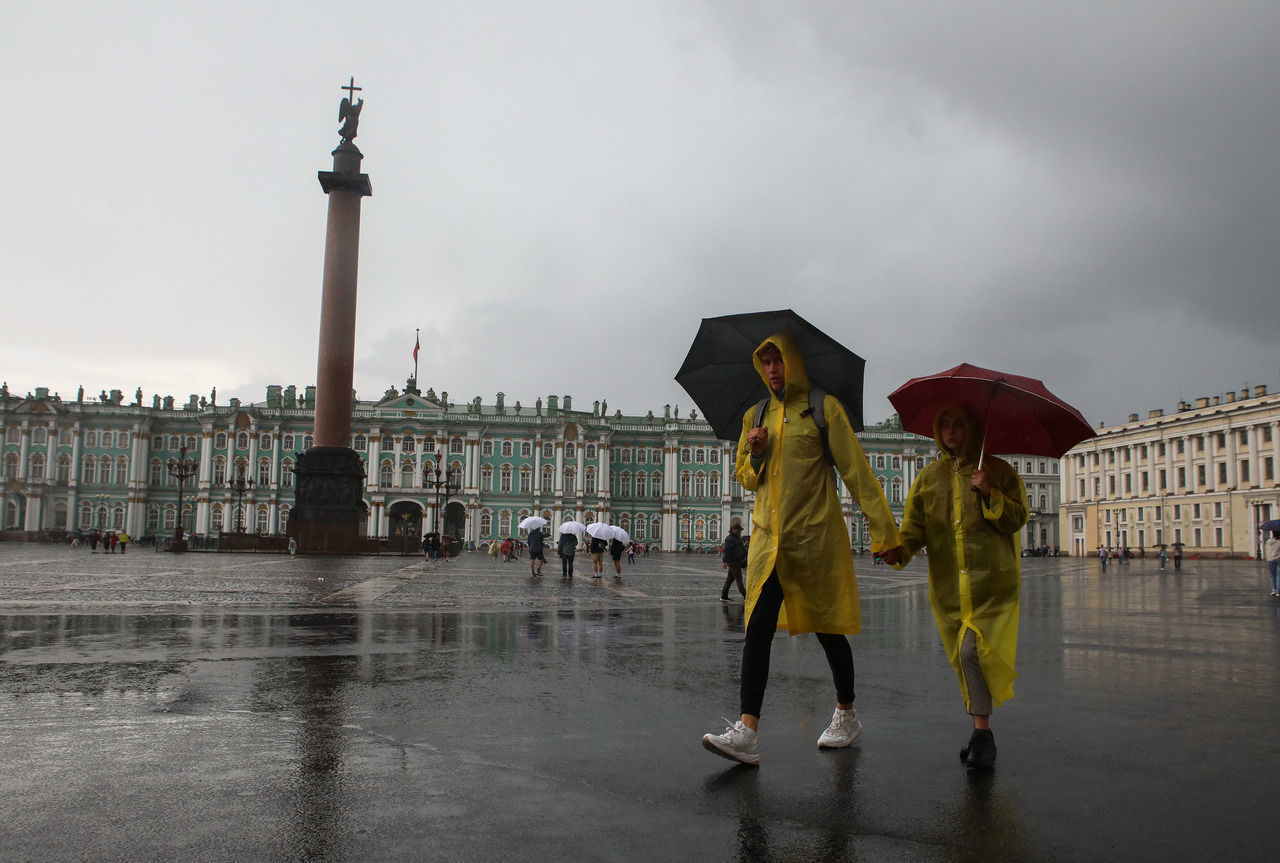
pixel 757 439
pixel 891 556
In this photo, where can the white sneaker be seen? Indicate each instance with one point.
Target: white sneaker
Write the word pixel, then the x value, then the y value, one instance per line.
pixel 845 728
pixel 737 743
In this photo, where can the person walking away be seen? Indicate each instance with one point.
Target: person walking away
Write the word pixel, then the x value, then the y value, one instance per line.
pixel 969 516
pixel 506 551
pixel 734 558
pixel 1164 557
pixel 616 548
pixel 597 549
pixel 293 547
pixel 1177 557
pixel 631 553
pixel 566 548
pixel 800 578
pixel 114 541
pixel 536 559
pixel 1272 550
pixel 124 542
pixel 1102 557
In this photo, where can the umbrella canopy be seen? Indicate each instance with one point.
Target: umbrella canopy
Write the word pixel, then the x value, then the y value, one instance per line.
pixel 600 530
pixel 1274 524
pixel 532 522
pixel 1020 414
pixel 720 375
pixel 620 534
pixel 573 527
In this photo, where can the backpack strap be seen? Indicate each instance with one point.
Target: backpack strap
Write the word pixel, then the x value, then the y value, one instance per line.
pixel 761 407
pixel 817 410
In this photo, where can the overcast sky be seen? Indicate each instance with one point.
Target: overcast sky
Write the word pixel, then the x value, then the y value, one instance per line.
pixel 1084 192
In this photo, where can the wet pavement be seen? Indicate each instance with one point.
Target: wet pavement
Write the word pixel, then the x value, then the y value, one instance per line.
pixel 250 707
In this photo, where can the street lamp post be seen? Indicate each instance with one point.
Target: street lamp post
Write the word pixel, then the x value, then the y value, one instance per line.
pixel 440 486
pixel 181 469
pixel 240 485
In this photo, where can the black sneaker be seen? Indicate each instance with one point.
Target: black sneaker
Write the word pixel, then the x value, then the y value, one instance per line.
pixel 981 751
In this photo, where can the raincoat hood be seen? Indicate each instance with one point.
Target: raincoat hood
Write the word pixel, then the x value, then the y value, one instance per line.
pixel 797 380
pixel 972 432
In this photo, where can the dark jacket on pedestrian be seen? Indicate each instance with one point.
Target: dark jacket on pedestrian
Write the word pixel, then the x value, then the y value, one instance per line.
pixel 567 546
pixel 616 548
pixel 735 553
pixel 535 541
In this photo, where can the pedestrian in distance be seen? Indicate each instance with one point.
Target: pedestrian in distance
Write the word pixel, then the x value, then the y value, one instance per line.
pixel 800 573
pixel 1164 557
pixel 734 558
pixel 631 553
pixel 969 513
pixel 1177 557
pixel 597 548
pixel 536 559
pixel 293 547
pixel 506 551
pixel 1272 551
pixel 1102 557
pixel 124 542
pixel 616 548
pixel 566 548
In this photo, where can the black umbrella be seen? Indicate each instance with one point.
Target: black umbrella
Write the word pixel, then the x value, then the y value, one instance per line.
pixel 720 375
pixel 1273 524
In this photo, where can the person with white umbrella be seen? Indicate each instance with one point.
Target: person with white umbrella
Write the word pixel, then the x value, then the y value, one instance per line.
pixel 600 534
pixel 568 546
pixel 534 524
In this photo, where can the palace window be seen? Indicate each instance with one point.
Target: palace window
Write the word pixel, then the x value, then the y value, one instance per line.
pixel 700 484
pixel 455 475
pixel 307 441
pixel 264 441
pixel 590 484
pixel 264 472
pixel 90 438
pixel 699 456
pixel 486 523
pixel 715 485
pixel 715 456
pixel 624 485
pixel 896 493
pixel 625 456
pixel 506 479
pixel 429 444
pixel 242 441
pixel 655 528
pixel 526 480
pixel 548 450
pixel 547 477
pixel 526 449
pixel 880 462
pixel 507 449
pixel 284 519
pixel 504 523
pixel 385 471
pixel 455 446
pixel 642 485
pixel 896 462
pixel 486 448
pixel 64 469
pixel 570 475
pixel 388 443
pixel 685 455
pixel 591 451
pixel 408 444
pixel 685 484
pixel 406 474
pixel 122 471
pixel 35 466
pixel 39 437
pixel 219 441
pixel 570 450
pixel 486 478
pixel 286 475
pixel 642 456
pixel 264 519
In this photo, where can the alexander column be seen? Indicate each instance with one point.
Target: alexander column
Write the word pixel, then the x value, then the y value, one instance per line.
pixel 329 515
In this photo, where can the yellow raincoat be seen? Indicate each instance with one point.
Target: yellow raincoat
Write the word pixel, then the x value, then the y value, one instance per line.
pixel 797 525
pixel 974 554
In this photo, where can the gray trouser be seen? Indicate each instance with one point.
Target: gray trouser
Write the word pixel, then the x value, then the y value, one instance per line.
pixel 979 694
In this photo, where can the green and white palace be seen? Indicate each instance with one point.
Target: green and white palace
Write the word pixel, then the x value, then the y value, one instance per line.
pixel 104 463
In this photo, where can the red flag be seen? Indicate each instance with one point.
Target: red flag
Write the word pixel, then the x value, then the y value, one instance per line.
pixel 416 343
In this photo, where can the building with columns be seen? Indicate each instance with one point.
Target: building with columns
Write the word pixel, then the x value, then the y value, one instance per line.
pixel 1204 476
pixel 103 463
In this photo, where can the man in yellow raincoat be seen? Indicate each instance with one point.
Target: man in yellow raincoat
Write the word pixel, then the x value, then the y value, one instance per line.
pixel 969 517
pixel 800 568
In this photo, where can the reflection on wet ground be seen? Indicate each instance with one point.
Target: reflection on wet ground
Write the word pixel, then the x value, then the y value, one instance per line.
pixel 469 712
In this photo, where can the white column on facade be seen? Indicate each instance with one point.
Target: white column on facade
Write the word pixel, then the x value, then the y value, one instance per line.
pixel 373 451
pixel 1232 473
pixel 50 452
pixel 604 485
pixel 1211 454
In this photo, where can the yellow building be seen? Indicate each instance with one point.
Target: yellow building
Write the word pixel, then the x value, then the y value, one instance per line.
pixel 1204 476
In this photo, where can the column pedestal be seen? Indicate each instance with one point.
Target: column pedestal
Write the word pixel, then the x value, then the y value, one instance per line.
pixel 329 515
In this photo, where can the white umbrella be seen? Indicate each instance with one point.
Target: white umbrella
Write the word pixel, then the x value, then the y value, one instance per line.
pixel 621 534
pixel 600 530
pixel 573 527
pixel 532 522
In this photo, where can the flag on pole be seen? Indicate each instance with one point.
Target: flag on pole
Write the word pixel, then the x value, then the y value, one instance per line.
pixel 416 344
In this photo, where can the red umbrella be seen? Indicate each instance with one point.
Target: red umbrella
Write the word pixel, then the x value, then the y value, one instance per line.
pixel 1022 416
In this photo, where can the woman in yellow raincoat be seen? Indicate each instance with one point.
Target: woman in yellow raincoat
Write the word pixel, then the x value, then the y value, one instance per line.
pixel 800 567
pixel 969 517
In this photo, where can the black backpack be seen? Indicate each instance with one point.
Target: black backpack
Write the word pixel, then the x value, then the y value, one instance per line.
pixel 816 410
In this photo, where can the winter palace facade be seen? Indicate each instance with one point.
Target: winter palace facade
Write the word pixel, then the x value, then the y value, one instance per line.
pixel 104 463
